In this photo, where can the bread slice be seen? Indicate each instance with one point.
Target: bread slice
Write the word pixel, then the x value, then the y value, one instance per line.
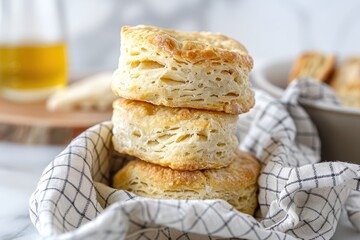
pixel 313 64
pixel 236 184
pixel 179 138
pixel 92 93
pixel 184 69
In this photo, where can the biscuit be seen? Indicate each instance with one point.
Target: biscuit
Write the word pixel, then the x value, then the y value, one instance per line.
pixel 236 184
pixel 346 82
pixel 313 64
pixel 179 138
pixel 184 69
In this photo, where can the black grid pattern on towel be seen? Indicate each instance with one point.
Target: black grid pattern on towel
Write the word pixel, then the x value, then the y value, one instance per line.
pixel 298 197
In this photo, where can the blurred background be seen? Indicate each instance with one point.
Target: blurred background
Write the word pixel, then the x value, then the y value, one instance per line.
pixel 269 29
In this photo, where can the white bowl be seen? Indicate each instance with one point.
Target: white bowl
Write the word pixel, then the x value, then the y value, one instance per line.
pixel 339 127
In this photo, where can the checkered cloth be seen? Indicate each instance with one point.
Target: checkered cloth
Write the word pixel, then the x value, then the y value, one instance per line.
pixel 298 197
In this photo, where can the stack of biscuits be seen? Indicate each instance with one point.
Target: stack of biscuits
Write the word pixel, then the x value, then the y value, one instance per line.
pixel 180 96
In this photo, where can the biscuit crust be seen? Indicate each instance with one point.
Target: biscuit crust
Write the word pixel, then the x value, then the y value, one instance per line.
pixel 184 69
pixel 346 82
pixel 313 64
pixel 179 138
pixel 236 184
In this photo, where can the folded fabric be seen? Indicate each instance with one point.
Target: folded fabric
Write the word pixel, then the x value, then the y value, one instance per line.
pixel 298 197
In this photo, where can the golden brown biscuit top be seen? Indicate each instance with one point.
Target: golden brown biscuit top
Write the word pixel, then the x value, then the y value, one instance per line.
pixel 313 64
pixel 242 173
pixel 163 177
pixel 190 46
pixel 348 75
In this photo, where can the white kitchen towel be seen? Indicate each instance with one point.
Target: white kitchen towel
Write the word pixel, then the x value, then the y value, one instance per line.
pixel 298 197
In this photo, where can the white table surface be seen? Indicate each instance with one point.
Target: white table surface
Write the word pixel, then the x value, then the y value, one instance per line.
pixel 20 169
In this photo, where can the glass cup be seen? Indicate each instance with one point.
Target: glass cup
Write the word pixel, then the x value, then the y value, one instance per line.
pixel 33 59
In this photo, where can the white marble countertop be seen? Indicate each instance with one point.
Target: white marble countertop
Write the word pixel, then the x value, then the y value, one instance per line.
pixel 20 169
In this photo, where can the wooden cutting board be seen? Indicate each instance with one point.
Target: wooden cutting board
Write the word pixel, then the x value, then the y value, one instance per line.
pixel 36 114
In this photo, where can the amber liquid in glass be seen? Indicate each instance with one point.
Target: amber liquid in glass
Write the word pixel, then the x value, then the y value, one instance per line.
pixel 32 67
